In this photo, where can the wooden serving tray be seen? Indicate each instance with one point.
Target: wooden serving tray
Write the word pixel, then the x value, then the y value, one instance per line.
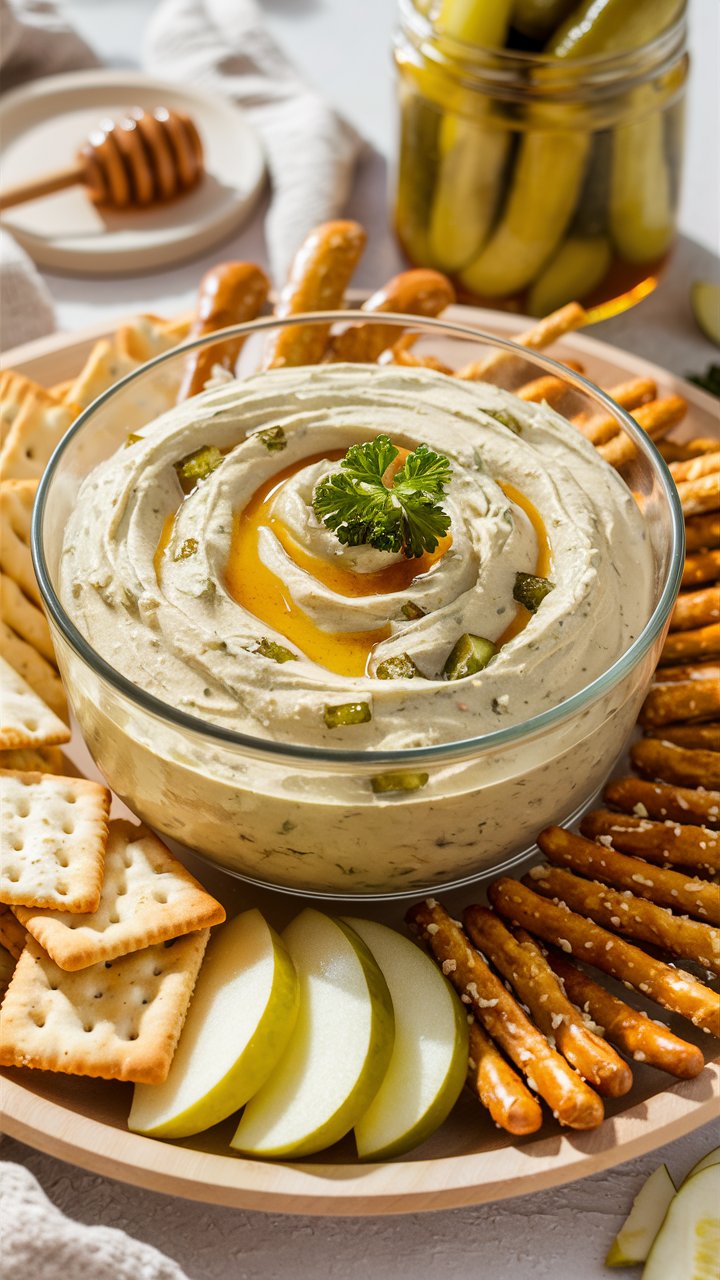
pixel 468 1161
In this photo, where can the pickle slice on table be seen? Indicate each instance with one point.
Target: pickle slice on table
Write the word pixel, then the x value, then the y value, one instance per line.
pixel 468 655
pixel 577 268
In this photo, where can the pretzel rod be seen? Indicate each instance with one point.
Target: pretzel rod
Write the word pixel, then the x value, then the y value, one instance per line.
pixel 696 609
pixel 546 389
pixel 663 801
pixel 702 532
pixel 670 987
pixel 633 1032
pixel 703 643
pixel 629 915
pixel 680 700
pixel 699 496
pixel 692 468
pixel 419 292
pixel 704 735
pixel 572 1101
pixel 629 395
pixel 689 671
pixel 499 1087
pixel 682 846
pixel 669 763
pixel 681 450
pixel 319 276
pixel 598 862
pixel 700 567
pixel 541 335
pixel 230 293
pixel 522 963
pixel 656 419
pixel 399 356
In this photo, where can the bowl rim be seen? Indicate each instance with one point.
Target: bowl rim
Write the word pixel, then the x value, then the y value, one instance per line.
pixel 337 757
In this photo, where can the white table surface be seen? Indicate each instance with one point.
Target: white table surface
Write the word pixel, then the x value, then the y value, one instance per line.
pixel 343 48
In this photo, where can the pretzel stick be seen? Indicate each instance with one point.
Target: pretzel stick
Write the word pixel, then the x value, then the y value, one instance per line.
pixel 705 736
pixel 546 389
pixel 703 643
pixel 499 1088
pixel 670 987
pixel 696 609
pixel 693 468
pixel 629 395
pixel 420 292
pixel 230 293
pixel 680 700
pixel 633 1032
pixel 702 532
pixel 699 496
pixel 682 846
pixel 664 888
pixel 656 419
pixel 690 671
pixel 541 335
pixel 319 276
pixel 664 760
pixel 522 963
pixel 700 567
pixel 660 800
pixel 629 915
pixel 572 1102
pixel 681 450
pixel 399 356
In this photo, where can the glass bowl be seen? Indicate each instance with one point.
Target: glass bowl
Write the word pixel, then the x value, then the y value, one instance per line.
pixel 315 819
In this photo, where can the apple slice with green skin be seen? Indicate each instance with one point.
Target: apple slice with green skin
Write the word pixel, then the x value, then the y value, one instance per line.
pixel 687 1246
pixel 339 1051
pixel 239 1022
pixel 705 299
pixel 634 1239
pixel 430 1059
pixel 712 1157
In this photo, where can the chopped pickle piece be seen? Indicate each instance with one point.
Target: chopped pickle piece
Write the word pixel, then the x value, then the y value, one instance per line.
pixel 347 713
pixel 197 466
pixel 384 782
pixel 505 418
pixel 530 590
pixel 274 439
pixel 411 611
pixel 399 667
pixel 131 438
pixel 468 655
pixel 276 652
pixel 188 548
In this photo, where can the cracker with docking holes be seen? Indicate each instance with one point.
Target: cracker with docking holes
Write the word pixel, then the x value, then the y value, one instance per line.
pixel 118 1020
pixel 25 618
pixel 147 897
pixel 16 504
pixel 53 841
pixel 15 391
pixel 39 760
pixel 13 935
pixel 38 428
pixel 34 669
pixel 25 720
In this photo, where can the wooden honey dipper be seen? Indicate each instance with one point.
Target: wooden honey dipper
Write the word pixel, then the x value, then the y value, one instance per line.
pixel 146 157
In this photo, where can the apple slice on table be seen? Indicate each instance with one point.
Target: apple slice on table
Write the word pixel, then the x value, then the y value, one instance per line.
pixel 712 1157
pixel 687 1246
pixel 339 1051
pixel 634 1239
pixel 429 1063
pixel 240 1020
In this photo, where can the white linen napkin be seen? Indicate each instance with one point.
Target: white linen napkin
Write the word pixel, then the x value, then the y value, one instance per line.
pixel 311 152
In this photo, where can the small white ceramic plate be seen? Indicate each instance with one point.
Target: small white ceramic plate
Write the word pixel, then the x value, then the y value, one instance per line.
pixel 43 123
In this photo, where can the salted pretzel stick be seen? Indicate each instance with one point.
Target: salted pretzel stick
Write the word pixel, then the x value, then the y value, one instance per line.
pixel 658 842
pixel 699 645
pixel 680 700
pixel 691 469
pixel 499 1087
pixel 522 963
pixel 696 609
pixel 420 292
pixel 542 335
pixel 664 760
pixel 699 496
pixel 681 450
pixel 656 419
pixel 572 1101
pixel 633 1032
pixel 689 671
pixel 629 395
pixel 702 532
pixel 704 736
pixel 681 892
pixel 398 356
pixel 701 567
pixel 573 934
pixel 660 800
pixel 230 293
pixel 629 915
pixel 319 276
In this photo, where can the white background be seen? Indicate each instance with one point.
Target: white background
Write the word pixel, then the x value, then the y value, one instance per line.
pixel 343 47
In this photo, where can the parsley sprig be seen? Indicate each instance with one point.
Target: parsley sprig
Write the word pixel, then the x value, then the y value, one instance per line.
pixel 356 505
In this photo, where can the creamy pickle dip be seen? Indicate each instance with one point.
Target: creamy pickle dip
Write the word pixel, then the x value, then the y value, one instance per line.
pixel 234 603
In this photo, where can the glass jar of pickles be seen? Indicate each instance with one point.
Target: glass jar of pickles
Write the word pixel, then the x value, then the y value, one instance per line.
pixel 540 146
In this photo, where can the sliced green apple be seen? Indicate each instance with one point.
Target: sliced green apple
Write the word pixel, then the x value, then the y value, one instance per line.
pixel 705 299
pixel 712 1157
pixel 239 1022
pixel 339 1051
pixel 687 1246
pixel 634 1239
pixel 429 1062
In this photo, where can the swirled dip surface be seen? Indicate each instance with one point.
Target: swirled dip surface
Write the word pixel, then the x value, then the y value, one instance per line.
pixel 176 591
